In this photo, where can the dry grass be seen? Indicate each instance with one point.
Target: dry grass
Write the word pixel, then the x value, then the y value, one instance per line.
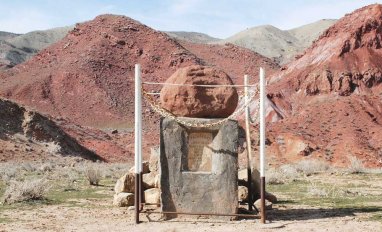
pixel 356 166
pixel 93 174
pixel 311 166
pixel 21 191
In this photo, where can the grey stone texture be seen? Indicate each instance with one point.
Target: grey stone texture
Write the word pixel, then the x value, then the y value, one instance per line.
pixel 212 191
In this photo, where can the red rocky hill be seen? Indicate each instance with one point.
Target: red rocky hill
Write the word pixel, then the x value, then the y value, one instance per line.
pixel 332 94
pixel 88 77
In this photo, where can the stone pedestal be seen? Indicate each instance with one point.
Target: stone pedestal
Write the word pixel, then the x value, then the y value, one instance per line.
pixel 199 168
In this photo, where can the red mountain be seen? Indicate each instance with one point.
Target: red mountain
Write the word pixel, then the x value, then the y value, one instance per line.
pixel 332 94
pixel 88 77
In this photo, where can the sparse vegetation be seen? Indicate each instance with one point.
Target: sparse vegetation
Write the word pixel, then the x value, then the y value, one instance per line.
pixel 311 166
pixel 29 190
pixel 93 174
pixel 356 166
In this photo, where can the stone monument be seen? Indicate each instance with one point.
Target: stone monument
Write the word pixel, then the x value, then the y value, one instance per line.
pixel 199 168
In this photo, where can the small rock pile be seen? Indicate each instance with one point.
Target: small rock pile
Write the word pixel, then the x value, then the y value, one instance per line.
pixel 125 186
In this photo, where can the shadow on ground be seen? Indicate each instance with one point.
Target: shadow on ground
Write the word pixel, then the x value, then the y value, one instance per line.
pixel 308 214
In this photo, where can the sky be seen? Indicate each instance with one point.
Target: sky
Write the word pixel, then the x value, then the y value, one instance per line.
pixel 218 18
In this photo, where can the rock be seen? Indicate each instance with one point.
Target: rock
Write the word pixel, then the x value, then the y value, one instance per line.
pixel 211 189
pixel 242 174
pixel 125 184
pixel 268 204
pixel 294 146
pixel 123 199
pixel 148 180
pixel 157 181
pixel 145 168
pixel 242 193
pixel 270 197
pixel 199 102
pixel 154 159
pixel 152 196
pixel 242 181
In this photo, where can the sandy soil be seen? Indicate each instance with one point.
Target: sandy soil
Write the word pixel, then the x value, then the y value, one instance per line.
pixel 97 215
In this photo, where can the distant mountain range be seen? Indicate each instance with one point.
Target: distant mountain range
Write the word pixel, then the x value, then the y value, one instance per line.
pixel 280 45
pixel 16 48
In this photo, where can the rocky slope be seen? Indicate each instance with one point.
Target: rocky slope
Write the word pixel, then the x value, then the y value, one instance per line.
pixel 193 37
pixel 28 135
pixel 88 78
pixel 331 97
pixel 279 45
pixel 15 49
pixel 234 60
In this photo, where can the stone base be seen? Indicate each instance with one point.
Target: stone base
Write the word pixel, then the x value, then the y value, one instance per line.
pixel 199 168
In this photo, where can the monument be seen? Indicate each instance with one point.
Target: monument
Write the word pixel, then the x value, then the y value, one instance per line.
pixel 199 167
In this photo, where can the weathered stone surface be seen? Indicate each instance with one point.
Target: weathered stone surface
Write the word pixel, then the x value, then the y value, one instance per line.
pixel 152 196
pixel 154 160
pixel 199 102
pixel 268 205
pixel 213 191
pixel 242 193
pixel 145 168
pixel 123 199
pixel 148 180
pixel 157 181
pixel 125 184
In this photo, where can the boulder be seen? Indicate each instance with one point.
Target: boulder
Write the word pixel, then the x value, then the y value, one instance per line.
pixel 242 193
pixel 123 199
pixel 152 196
pixel 242 181
pixel 125 184
pixel 148 180
pixel 145 168
pixel 157 181
pixel 199 102
pixel 154 159
pixel 268 205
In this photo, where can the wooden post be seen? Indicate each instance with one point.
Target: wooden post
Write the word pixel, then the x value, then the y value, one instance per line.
pixel 249 147
pixel 138 141
pixel 262 143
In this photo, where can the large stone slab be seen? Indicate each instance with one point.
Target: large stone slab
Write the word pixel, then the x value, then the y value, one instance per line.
pixel 199 168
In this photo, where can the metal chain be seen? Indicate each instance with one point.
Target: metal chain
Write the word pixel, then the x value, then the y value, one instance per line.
pixel 165 113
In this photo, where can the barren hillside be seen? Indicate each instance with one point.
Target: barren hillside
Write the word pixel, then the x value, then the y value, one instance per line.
pixel 332 95
pixel 279 45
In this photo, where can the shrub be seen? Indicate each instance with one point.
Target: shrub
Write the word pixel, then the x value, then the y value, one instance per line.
pixel 316 191
pixel 9 171
pixel 309 167
pixel 274 177
pixel 356 165
pixel 29 190
pixel 93 174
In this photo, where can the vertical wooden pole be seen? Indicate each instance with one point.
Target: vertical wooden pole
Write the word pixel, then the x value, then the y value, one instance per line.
pixel 138 141
pixel 262 143
pixel 249 147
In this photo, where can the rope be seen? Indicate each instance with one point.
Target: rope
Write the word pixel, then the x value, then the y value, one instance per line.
pixel 190 85
pixel 167 114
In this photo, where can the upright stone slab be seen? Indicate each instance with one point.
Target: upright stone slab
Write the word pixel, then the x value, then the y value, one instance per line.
pixel 199 168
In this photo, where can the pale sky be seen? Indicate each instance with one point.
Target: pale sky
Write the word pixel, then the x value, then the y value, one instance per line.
pixel 218 18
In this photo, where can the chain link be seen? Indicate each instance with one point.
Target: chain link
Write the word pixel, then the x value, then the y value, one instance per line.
pixel 167 114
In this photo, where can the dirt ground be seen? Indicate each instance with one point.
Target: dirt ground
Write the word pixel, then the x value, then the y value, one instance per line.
pixel 96 215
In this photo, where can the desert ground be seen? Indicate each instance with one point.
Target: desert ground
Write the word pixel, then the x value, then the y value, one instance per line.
pixel 311 197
